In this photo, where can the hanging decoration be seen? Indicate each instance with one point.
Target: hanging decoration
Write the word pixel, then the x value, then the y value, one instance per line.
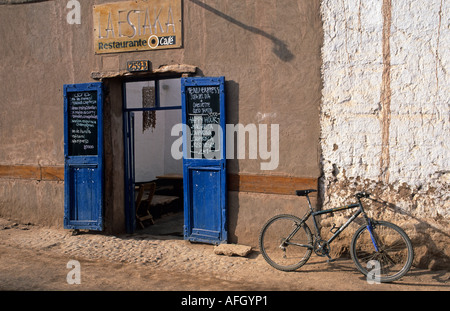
pixel 148 101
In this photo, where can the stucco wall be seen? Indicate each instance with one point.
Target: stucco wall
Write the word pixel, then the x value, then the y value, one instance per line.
pixel 385 114
pixel 269 53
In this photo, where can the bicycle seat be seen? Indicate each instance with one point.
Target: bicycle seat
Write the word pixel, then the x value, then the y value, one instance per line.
pixel 304 192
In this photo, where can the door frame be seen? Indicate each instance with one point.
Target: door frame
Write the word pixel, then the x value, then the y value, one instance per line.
pixel 128 130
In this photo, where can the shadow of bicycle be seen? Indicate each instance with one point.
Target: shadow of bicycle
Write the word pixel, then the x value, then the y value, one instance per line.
pixel 431 256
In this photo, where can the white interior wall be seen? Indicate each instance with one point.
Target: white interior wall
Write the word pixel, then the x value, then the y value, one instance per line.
pixel 153 147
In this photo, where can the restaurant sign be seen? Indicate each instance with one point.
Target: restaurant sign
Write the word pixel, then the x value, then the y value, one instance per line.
pixel 140 25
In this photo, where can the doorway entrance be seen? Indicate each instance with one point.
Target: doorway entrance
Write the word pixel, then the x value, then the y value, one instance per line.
pixel 154 175
pixel 182 177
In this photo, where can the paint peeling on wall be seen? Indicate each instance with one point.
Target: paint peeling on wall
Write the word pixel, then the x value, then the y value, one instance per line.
pixel 385 115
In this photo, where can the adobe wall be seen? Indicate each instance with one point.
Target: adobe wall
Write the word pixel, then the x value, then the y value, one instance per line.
pixel 269 53
pixel 38 57
pixel 385 115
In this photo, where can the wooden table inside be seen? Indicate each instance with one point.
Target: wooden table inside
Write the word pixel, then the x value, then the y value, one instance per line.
pixel 176 180
pixel 171 176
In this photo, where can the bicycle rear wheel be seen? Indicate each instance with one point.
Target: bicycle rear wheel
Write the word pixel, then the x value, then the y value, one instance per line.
pixel 394 254
pixel 285 242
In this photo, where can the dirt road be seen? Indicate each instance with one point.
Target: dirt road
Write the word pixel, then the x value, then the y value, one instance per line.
pixel 34 258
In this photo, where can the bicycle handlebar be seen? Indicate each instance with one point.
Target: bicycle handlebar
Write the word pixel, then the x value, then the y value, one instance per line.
pixel 362 194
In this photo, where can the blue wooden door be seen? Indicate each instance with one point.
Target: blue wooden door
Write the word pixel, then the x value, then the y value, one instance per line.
pixel 204 159
pixel 83 152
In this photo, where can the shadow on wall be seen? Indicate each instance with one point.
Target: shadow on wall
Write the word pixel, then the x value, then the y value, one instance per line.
pixel 427 254
pixel 279 47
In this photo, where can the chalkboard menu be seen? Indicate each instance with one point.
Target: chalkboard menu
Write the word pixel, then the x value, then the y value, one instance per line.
pixel 203 121
pixel 82 109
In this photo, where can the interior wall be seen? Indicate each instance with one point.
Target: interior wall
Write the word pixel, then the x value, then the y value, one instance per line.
pixel 152 147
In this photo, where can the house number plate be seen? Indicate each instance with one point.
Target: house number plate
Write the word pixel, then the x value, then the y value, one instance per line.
pixel 138 65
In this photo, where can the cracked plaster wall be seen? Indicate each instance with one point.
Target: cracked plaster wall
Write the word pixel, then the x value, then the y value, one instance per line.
pixel 385 114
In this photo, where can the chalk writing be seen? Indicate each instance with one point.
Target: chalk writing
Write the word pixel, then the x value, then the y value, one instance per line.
pixel 203 121
pixel 82 123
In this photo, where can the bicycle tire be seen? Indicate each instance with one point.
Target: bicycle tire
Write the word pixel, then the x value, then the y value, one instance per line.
pixel 394 256
pixel 281 256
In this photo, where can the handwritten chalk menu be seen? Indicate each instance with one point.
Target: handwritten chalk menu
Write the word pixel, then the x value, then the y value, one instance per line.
pixel 203 121
pixel 82 123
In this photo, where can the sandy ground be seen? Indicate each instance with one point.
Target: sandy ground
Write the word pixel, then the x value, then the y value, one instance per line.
pixel 34 258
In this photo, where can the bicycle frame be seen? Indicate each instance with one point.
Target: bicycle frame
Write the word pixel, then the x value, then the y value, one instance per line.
pixel 311 212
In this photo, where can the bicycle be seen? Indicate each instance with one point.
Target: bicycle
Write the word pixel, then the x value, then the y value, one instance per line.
pixel 379 249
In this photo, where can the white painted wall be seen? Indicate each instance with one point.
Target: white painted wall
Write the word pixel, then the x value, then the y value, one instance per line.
pixel 153 147
pixel 385 117
pixel 416 154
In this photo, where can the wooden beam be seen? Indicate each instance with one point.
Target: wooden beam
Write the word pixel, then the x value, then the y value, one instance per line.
pixel 236 182
pixel 20 171
pixel 270 184
pixel 34 172
pixel 55 173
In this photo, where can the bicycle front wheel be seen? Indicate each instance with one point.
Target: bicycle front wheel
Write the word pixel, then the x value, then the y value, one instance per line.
pixel 383 255
pixel 286 242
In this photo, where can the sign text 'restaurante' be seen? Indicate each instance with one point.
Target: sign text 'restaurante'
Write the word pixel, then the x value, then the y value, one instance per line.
pixel 137 26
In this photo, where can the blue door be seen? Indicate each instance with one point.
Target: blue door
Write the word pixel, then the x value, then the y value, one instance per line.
pixel 204 159
pixel 83 152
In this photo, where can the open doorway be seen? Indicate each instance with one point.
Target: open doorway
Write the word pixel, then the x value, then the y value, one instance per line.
pixel 154 177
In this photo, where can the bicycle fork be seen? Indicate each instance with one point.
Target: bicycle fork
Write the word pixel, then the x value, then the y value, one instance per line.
pixel 369 226
pixel 372 236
